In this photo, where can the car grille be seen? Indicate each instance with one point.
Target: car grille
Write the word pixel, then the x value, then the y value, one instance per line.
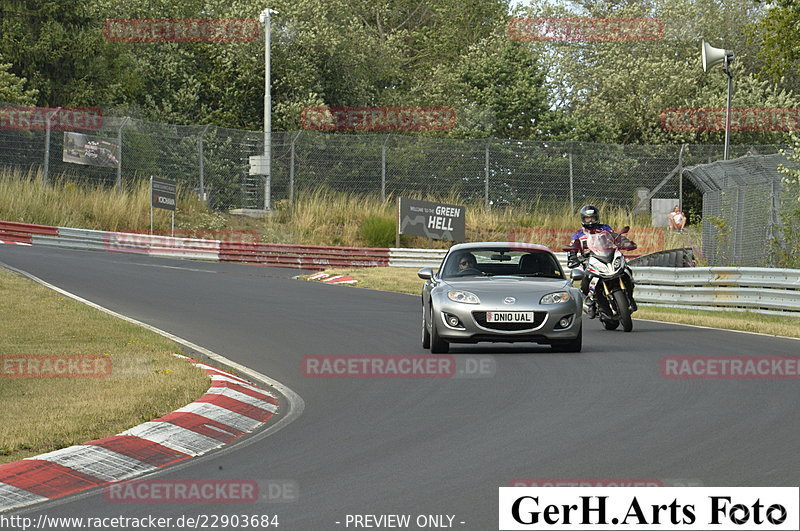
pixel 538 319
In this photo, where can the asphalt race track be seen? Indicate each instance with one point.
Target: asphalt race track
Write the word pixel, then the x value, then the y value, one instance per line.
pixel 435 446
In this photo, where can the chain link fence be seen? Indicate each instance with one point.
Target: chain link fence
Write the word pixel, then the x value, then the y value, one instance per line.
pixel 214 162
pixel 741 209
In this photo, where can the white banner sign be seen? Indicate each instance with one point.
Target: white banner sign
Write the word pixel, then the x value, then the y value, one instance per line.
pixel 643 508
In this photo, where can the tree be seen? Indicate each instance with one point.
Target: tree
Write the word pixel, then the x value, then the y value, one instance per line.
pixel 12 88
pixel 60 50
pixel 616 91
pixel 778 33
pixel 498 89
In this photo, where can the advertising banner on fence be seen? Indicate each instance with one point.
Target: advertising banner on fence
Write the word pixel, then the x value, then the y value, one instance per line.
pixel 90 150
pixel 162 193
pixel 437 221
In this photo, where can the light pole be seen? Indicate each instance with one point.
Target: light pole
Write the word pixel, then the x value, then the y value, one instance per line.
pixel 266 20
pixel 714 56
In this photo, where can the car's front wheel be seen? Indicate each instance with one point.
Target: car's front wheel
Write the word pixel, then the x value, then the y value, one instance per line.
pixel 569 345
pixel 426 336
pixel 438 345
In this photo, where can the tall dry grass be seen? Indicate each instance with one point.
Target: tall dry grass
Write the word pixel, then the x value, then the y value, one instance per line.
pixel 330 218
pixel 26 198
pixel 320 217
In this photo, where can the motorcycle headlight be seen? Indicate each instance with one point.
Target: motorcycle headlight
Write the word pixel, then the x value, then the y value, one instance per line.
pixel 457 295
pixel 555 298
pixel 617 262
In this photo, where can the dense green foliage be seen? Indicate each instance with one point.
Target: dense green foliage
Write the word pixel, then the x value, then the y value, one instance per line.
pixel 409 52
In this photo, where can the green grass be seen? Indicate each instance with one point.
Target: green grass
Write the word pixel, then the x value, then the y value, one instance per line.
pixel 405 280
pixel 40 415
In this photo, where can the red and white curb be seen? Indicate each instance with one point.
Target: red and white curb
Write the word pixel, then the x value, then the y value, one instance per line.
pixel 14 243
pixel 336 279
pixel 231 408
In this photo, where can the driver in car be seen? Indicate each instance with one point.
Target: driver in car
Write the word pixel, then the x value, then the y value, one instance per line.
pixel 467 261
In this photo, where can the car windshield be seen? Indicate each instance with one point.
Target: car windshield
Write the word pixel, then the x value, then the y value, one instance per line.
pixel 501 261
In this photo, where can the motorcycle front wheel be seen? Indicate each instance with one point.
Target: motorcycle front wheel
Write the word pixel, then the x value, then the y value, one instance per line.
pixel 623 310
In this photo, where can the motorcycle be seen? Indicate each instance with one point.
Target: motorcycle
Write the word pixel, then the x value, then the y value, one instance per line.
pixel 608 272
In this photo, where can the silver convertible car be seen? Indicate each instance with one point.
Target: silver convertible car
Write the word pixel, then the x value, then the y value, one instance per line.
pixel 500 292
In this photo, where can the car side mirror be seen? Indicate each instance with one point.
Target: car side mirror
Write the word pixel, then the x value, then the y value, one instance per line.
pixel 426 273
pixel 576 274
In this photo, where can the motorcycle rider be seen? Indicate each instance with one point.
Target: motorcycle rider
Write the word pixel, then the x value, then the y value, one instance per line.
pixel 590 220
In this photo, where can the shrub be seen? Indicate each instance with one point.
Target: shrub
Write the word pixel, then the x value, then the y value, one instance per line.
pixel 378 231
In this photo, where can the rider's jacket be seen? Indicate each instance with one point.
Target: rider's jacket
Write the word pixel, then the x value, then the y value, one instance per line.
pixel 578 241
pixel 582 233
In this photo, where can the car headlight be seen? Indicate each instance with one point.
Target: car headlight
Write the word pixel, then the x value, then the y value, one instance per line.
pixel 466 297
pixel 555 298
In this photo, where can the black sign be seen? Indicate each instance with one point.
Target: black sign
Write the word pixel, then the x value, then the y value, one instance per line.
pixel 432 220
pixel 162 193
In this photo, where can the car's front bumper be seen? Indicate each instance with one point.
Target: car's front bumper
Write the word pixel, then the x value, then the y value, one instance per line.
pixel 545 329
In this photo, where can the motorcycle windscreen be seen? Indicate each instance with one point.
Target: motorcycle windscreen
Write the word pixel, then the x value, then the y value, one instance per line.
pixel 601 245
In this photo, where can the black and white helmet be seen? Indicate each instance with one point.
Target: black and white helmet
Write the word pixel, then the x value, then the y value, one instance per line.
pixel 590 217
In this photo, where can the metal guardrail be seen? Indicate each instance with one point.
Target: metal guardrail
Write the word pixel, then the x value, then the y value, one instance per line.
pixel 298 256
pixel 736 288
pixel 729 288
pixel 302 256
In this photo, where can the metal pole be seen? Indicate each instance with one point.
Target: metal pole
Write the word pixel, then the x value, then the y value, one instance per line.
pixel 728 110
pixel 47 119
pixel 266 18
pixel 571 183
pixel 397 233
pixel 150 200
pixel 201 164
pixel 119 160
pixel 383 168
pixel 680 177
pixel 486 183
pixel 291 169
